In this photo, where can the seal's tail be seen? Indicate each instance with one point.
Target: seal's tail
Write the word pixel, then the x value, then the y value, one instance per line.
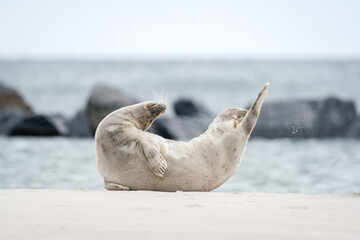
pixel 248 123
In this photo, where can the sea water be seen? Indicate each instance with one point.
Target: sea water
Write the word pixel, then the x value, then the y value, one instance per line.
pixel 277 165
pixel 284 165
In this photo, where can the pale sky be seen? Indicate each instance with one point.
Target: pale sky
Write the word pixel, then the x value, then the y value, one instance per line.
pixel 186 28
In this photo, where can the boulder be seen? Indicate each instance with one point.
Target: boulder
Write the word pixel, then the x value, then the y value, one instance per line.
pixel 9 98
pixel 191 120
pixel 162 127
pixel 40 125
pixel 336 117
pixel 12 108
pixel 189 107
pixel 79 126
pixel 191 127
pixel 181 128
pixel 330 117
pixel 102 101
pixel 9 117
pixel 353 130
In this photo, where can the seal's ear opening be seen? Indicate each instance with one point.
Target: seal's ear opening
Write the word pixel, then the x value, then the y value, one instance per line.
pixel 240 114
pixel 236 123
pixel 150 105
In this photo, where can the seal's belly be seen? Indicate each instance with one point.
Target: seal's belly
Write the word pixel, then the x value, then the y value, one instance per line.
pixel 183 173
pixel 188 169
pixel 138 176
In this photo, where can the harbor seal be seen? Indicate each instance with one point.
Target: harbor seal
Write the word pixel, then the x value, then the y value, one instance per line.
pixel 129 158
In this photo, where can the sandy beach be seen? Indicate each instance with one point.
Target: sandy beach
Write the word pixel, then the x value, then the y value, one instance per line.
pixel 84 214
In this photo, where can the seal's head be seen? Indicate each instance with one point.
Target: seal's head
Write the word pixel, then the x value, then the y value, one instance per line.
pixel 240 120
pixel 232 116
pixel 228 122
pixel 144 114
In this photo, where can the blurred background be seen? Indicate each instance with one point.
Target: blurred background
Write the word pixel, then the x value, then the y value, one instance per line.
pixel 65 64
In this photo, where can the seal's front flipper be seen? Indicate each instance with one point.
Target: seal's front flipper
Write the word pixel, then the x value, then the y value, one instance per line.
pixel 251 117
pixel 153 158
pixel 115 186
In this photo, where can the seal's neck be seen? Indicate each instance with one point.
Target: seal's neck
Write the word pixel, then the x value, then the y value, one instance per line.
pixel 222 147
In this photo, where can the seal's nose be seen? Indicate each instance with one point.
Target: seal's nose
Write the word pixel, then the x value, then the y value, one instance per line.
pixel 162 106
pixel 156 108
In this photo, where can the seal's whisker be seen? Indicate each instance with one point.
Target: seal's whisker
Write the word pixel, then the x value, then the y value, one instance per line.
pixel 154 95
pixel 159 97
pixel 165 99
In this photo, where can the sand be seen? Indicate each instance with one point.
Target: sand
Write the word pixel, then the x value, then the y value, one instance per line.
pixel 83 214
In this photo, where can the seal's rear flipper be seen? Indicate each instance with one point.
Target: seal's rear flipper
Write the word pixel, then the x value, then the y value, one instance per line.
pixel 251 117
pixel 153 158
pixel 115 186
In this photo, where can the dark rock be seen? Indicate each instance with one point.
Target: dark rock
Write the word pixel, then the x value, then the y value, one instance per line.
pixel 103 100
pixel 60 123
pixel 79 126
pixel 353 130
pixel 182 127
pixel 336 117
pixel 305 119
pixel 12 109
pixel 40 125
pixel 189 107
pixel 191 120
pixel 161 128
pixel 9 98
pixel 9 117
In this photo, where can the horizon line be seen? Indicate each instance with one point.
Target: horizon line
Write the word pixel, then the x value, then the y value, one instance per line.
pixel 155 58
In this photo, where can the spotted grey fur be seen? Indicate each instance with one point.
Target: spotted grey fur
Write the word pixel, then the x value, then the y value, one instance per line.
pixel 128 157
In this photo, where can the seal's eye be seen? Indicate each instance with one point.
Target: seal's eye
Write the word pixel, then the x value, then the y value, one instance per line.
pixel 151 120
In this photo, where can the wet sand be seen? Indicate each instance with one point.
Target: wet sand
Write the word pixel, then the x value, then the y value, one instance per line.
pixel 82 214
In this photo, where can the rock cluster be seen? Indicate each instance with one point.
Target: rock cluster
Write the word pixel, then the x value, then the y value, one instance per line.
pixel 325 118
